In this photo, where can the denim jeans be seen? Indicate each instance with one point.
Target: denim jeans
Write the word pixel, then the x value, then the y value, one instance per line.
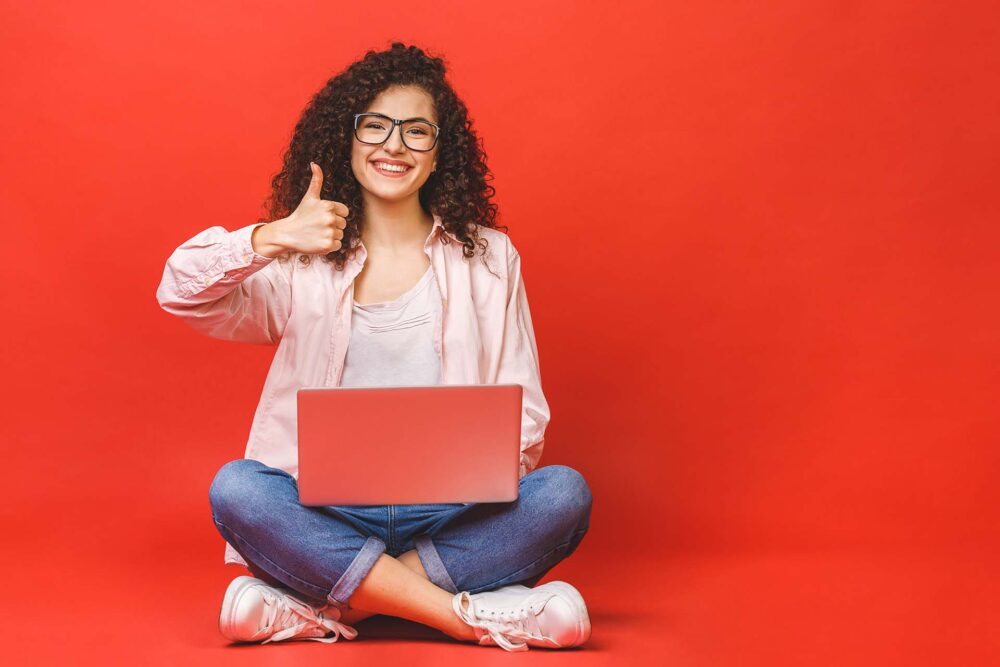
pixel 323 553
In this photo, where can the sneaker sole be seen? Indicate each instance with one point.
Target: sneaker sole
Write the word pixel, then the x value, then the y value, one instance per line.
pixel 236 588
pixel 571 595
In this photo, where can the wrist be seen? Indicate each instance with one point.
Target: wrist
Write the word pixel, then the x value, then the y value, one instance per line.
pixel 265 240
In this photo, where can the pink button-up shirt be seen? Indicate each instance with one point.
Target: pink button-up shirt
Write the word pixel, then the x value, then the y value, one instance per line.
pixel 222 288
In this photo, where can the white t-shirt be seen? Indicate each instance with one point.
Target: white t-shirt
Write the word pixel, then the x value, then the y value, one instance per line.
pixel 392 342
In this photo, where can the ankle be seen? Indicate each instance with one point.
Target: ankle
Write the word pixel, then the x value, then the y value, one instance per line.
pixel 353 616
pixel 464 632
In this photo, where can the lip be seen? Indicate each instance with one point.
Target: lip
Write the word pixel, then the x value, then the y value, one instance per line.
pixel 390 161
pixel 387 174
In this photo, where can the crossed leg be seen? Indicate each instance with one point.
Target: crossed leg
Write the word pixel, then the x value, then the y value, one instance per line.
pixel 528 537
pixel 400 587
pixel 554 510
pixel 424 603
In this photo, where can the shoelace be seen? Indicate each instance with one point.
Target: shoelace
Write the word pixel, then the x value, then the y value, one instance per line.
pixel 282 610
pixel 503 625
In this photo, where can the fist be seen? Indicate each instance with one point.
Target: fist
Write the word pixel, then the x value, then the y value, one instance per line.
pixel 317 225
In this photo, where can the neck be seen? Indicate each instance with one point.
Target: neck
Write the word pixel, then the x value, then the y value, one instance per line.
pixel 395 225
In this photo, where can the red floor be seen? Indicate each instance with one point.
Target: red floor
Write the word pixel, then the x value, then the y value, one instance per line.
pixel 87 599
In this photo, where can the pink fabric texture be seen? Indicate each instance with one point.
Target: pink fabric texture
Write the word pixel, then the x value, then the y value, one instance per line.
pixel 223 289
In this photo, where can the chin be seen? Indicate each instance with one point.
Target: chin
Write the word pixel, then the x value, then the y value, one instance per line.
pixel 390 195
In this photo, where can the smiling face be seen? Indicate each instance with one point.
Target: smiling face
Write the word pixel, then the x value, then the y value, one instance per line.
pixel 394 186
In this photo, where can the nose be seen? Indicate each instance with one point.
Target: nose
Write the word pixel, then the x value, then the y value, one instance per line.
pixel 394 142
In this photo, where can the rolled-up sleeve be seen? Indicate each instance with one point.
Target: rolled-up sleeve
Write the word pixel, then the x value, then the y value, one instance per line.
pixel 222 288
pixel 519 364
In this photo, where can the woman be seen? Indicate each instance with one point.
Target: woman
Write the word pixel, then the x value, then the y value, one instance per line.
pixel 385 183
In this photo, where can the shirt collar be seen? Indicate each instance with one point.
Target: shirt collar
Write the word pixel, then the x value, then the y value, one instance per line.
pixel 436 230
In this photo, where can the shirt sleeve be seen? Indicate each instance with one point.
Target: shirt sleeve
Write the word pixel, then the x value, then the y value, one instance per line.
pixel 519 364
pixel 222 288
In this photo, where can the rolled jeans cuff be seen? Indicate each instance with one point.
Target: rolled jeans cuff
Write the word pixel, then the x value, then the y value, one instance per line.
pixel 432 563
pixel 355 573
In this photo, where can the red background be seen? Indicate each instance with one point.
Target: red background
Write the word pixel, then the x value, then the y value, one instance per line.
pixel 760 248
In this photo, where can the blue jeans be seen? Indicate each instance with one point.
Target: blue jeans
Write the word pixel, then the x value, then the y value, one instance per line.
pixel 323 553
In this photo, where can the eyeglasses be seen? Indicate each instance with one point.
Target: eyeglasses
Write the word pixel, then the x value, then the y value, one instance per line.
pixel 375 128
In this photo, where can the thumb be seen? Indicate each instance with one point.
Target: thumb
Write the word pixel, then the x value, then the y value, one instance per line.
pixel 316 183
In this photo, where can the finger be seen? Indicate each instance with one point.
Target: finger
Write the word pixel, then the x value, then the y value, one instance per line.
pixel 340 209
pixel 316 183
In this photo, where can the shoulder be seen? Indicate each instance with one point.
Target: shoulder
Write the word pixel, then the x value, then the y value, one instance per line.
pixel 500 251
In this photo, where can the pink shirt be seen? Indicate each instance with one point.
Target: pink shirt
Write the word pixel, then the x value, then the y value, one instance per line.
pixel 222 288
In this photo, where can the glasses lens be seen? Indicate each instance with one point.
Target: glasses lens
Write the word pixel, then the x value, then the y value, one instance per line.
pixel 417 134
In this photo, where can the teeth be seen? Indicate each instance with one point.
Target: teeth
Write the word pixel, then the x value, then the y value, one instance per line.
pixel 391 167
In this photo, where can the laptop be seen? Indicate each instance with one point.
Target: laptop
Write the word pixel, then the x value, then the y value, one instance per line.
pixel 409 445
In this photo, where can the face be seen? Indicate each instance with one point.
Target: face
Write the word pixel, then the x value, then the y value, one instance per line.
pixel 403 103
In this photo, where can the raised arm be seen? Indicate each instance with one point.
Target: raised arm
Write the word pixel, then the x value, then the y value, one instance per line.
pixel 221 284
pixel 223 288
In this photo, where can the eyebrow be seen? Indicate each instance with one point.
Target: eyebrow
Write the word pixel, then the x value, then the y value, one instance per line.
pixel 414 118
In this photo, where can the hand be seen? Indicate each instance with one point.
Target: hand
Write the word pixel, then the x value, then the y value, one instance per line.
pixel 316 226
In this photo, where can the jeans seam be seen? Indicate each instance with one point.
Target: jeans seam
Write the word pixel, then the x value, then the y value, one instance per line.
pixel 392 528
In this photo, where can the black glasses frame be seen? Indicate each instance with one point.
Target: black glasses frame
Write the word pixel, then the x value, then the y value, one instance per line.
pixel 396 122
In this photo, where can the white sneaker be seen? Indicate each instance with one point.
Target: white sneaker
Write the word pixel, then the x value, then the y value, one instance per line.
pixel 552 615
pixel 253 611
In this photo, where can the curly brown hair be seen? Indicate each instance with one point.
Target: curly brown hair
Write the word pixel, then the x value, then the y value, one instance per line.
pixel 457 189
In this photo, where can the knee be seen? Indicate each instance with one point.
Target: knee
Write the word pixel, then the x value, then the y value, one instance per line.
pixel 566 492
pixel 231 485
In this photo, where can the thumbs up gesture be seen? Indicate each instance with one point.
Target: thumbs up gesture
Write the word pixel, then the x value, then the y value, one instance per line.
pixel 315 227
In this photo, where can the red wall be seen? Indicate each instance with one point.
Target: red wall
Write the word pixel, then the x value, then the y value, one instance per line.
pixel 759 242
